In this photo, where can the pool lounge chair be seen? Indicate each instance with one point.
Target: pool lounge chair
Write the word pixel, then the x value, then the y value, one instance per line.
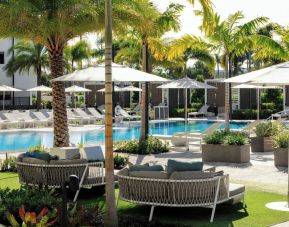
pixel 203 111
pixel 73 118
pixel 181 139
pixel 13 119
pixel 27 118
pixel 42 118
pixel 101 109
pixel 135 110
pixel 84 115
pixel 95 113
pixel 122 113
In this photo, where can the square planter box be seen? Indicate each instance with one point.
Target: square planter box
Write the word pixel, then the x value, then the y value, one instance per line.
pixel 65 152
pixel 281 157
pixel 261 144
pixel 226 153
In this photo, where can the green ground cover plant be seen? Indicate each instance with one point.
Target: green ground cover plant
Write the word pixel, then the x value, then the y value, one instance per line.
pixel 223 137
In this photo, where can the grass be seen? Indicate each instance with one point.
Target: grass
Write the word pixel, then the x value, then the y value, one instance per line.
pixel 9 180
pixel 256 214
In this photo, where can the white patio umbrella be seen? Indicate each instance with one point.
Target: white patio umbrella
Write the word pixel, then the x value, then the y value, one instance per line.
pixel 258 87
pixel 131 88
pixel 41 88
pixel 76 89
pixel 115 89
pixel 5 88
pixel 186 83
pixel 120 73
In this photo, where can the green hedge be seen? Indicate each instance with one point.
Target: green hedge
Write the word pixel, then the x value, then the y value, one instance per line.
pixel 249 114
pixel 180 112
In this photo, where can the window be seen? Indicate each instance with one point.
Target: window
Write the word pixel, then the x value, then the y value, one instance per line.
pixel 2 58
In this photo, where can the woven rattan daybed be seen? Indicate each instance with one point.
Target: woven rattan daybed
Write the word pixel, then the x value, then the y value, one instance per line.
pixel 160 190
pixel 35 172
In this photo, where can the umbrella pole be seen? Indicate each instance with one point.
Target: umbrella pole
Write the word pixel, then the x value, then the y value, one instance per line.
pixel 186 118
pixel 258 104
pixel 3 99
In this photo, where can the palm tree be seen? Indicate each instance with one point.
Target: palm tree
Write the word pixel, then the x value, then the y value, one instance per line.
pixel 29 56
pixel 230 39
pixel 77 53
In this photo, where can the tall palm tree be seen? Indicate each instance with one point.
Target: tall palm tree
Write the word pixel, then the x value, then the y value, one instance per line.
pixel 29 56
pixel 231 38
pixel 53 24
pixel 77 53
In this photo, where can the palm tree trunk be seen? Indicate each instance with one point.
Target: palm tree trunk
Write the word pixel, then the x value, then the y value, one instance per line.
pixel 38 101
pixel 61 135
pixel 110 208
pixel 144 96
pixel 227 97
pixel 13 75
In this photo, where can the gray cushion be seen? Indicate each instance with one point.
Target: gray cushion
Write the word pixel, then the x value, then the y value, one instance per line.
pixel 34 161
pixel 123 172
pixel 68 162
pixel 175 165
pixel 190 175
pixel 236 189
pixel 149 174
pixel 146 167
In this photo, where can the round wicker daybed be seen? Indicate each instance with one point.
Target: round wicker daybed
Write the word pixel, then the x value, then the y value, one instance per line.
pixel 169 192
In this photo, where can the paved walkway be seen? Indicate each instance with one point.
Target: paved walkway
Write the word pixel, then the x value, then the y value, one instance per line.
pixel 260 173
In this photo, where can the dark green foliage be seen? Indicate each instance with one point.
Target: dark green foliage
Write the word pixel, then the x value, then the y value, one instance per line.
pixel 8 164
pixel 120 161
pixel 150 146
pixel 251 114
pixel 180 112
pixel 33 200
pixel 223 137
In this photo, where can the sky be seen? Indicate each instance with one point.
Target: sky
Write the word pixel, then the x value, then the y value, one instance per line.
pixel 277 11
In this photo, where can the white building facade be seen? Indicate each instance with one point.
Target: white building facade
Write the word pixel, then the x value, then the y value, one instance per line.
pixel 22 81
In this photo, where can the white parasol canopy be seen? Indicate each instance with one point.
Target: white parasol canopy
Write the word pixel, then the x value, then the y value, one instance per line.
pixel 75 89
pixel 186 83
pixel 5 88
pixel 116 89
pixel 120 73
pixel 41 88
pixel 122 89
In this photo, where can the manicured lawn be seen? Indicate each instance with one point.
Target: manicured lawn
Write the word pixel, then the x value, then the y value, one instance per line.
pixel 256 214
pixel 9 180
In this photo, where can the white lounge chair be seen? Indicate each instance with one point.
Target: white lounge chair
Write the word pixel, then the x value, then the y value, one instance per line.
pixel 135 110
pixel 203 111
pixel 27 118
pixel 95 113
pixel 122 113
pixel 84 115
pixel 72 117
pixel 42 118
pixel 101 109
pixel 13 119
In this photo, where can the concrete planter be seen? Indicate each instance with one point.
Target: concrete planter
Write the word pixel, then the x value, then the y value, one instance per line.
pixel 226 153
pixel 65 152
pixel 281 157
pixel 261 144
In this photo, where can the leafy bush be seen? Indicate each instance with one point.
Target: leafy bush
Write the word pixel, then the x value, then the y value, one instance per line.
pixel 217 137
pixel 8 164
pixel 267 129
pixel 281 139
pixel 32 199
pixel 120 161
pixel 251 114
pixel 230 138
pixel 152 145
pixel 38 148
pixel 236 139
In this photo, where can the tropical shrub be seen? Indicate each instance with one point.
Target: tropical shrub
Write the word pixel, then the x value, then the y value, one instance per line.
pixel 120 161
pixel 281 139
pixel 32 199
pixel 223 137
pixel 37 148
pixel 8 164
pixel 30 219
pixel 152 145
pixel 267 129
pixel 251 114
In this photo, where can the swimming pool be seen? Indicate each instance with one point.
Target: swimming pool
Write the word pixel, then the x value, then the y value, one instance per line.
pixel 22 140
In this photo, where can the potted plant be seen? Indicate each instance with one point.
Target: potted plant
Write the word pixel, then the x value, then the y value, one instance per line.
pixel 264 131
pixel 230 147
pixel 281 149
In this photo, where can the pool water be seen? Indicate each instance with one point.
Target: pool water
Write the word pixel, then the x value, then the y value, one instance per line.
pixel 15 141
